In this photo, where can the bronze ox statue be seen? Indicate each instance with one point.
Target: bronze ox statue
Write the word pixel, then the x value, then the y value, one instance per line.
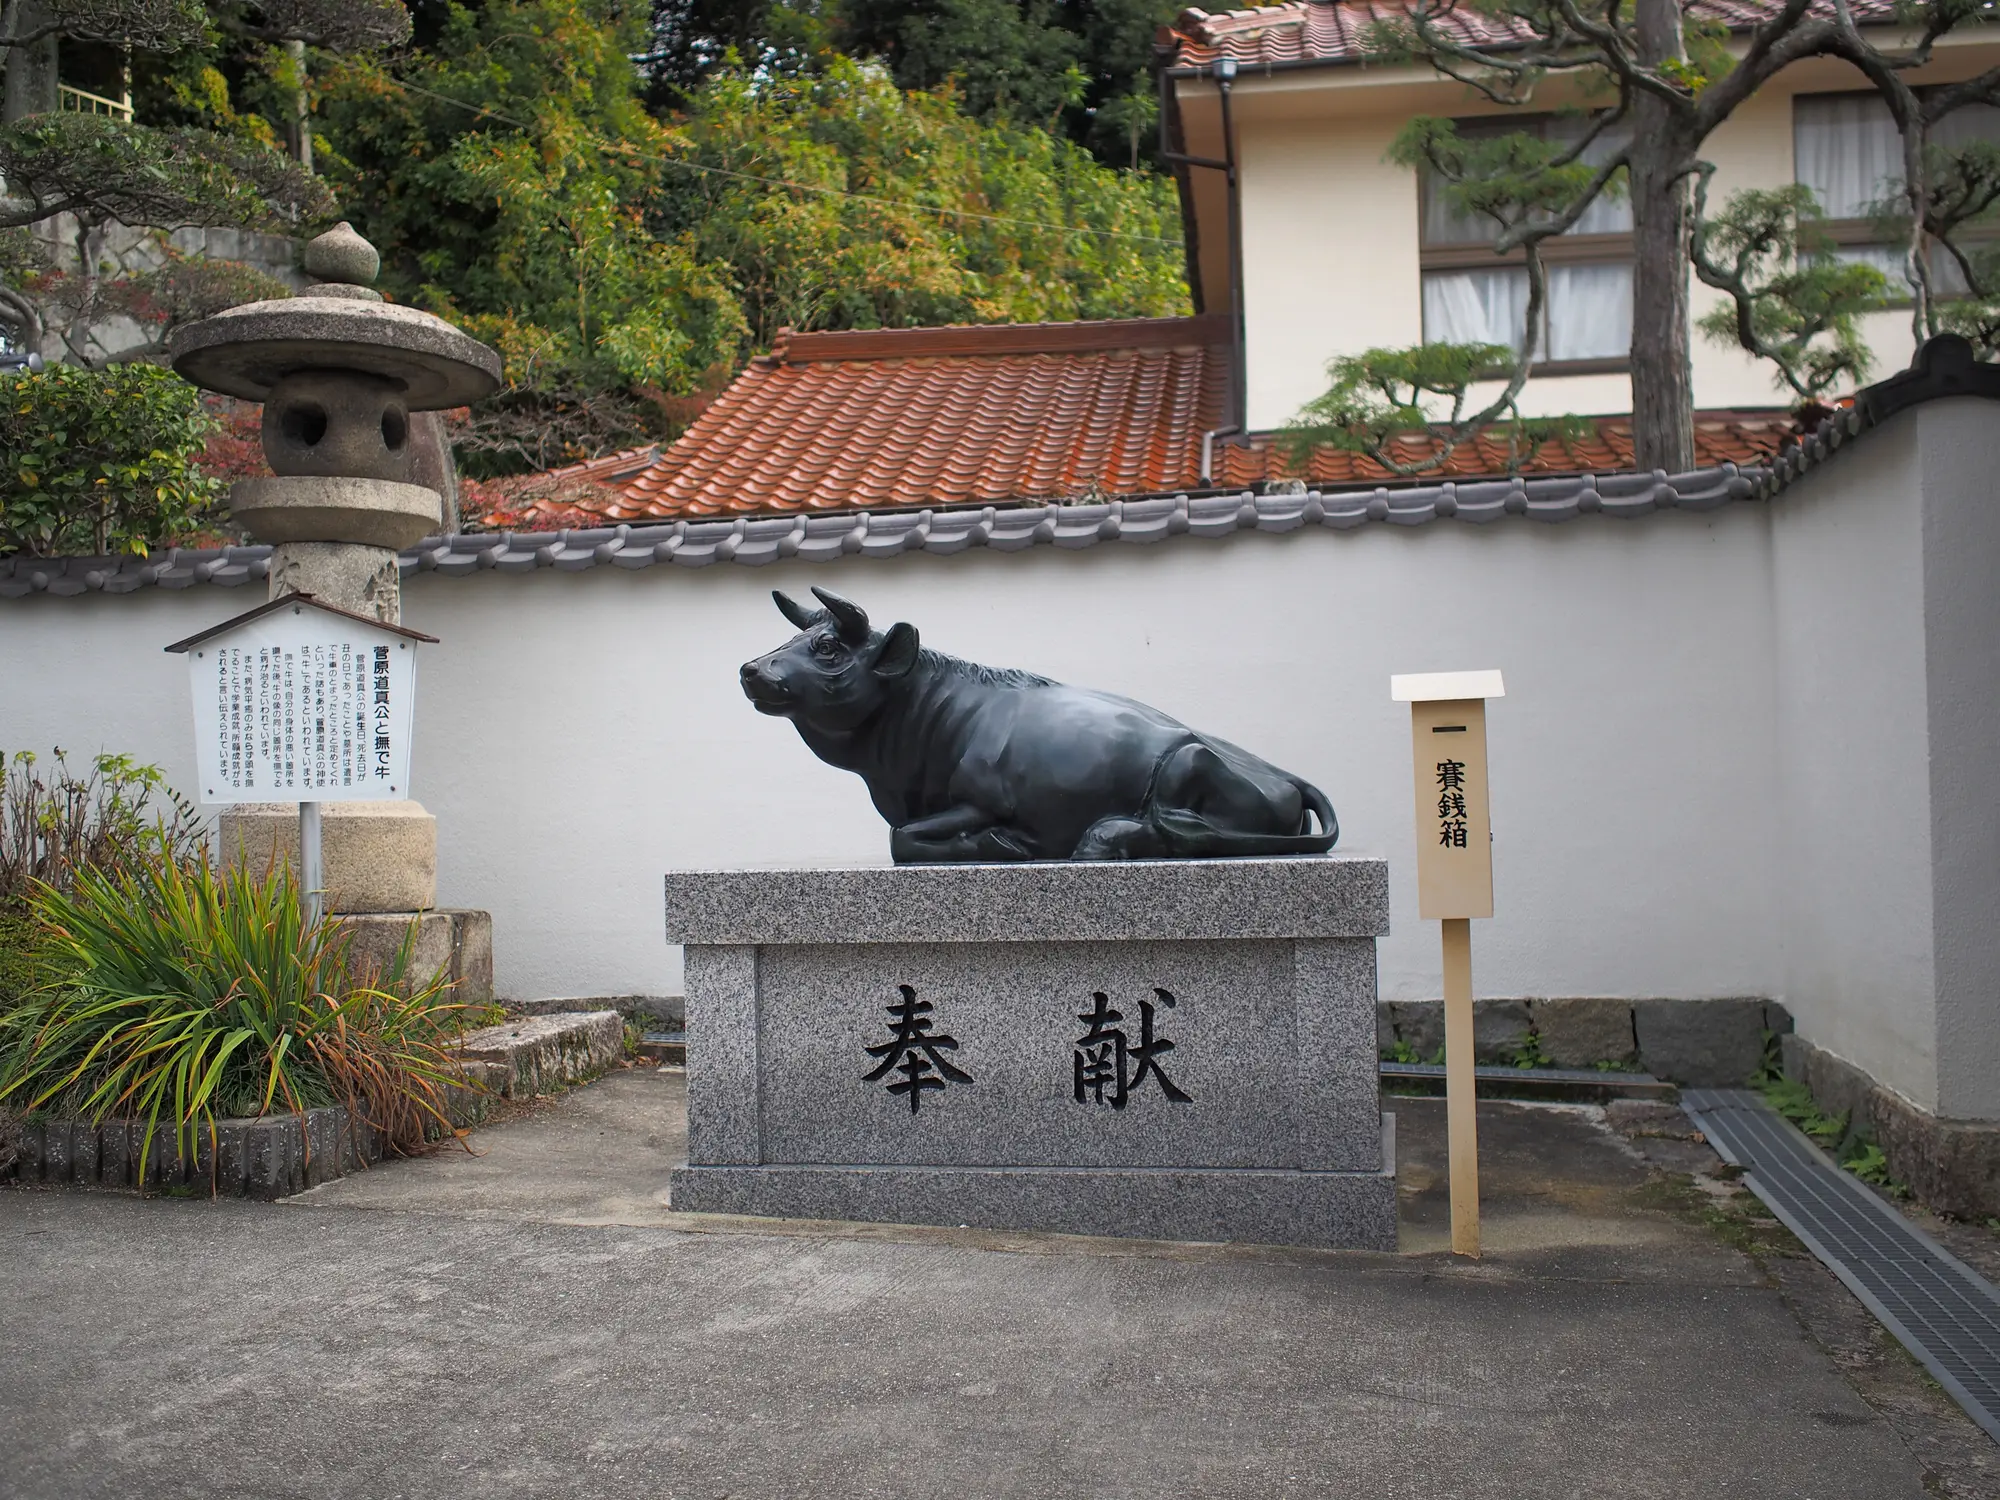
pixel 973 764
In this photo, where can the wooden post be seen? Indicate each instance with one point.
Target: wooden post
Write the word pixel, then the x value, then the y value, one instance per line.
pixel 1461 1095
pixel 1454 885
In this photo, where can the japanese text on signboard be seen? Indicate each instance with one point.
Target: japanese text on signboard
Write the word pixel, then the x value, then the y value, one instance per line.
pixel 301 708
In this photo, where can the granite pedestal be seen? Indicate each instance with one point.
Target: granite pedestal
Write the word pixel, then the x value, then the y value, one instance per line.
pixel 1174 1049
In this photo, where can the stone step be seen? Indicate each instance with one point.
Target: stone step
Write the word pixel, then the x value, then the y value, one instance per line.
pixel 534 1054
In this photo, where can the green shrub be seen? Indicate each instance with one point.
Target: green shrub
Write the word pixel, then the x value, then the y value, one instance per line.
pixel 20 958
pixel 1795 1102
pixel 102 461
pixel 54 823
pixel 180 994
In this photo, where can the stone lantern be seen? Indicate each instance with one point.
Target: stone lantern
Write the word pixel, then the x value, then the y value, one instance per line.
pixel 345 379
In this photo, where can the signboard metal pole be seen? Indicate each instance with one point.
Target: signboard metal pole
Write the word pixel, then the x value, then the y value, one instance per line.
pixel 309 862
pixel 1454 885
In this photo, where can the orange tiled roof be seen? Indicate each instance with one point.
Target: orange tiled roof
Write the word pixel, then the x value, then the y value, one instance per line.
pixel 934 417
pixel 1738 437
pixel 946 416
pixel 1306 32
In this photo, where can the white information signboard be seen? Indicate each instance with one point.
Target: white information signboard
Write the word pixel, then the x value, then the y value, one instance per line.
pixel 300 703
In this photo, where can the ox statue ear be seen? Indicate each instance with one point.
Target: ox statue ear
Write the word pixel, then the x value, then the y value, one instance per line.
pixel 851 618
pixel 792 610
pixel 899 651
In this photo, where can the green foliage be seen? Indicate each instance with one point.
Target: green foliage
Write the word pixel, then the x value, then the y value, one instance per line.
pixel 1011 59
pixel 1381 395
pixel 1771 1066
pixel 506 174
pixel 1851 1146
pixel 1872 1167
pixel 1793 301
pixel 155 25
pixel 959 223
pixel 625 266
pixel 1962 207
pixel 1401 1051
pixel 21 256
pixel 21 961
pixel 101 461
pixel 99 169
pixel 55 823
pixel 1795 1102
pixel 1074 70
pixel 1530 1055
pixel 1514 180
pixel 176 993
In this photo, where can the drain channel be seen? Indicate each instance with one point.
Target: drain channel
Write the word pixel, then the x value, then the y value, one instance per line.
pixel 1941 1310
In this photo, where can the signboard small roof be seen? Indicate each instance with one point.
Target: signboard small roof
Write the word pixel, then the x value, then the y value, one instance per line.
pixel 307 599
pixel 1430 687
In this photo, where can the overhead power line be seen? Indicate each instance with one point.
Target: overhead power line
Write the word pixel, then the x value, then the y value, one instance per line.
pixel 800 187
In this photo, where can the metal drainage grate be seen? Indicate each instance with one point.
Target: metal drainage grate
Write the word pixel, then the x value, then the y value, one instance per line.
pixel 1943 1311
pixel 1574 1085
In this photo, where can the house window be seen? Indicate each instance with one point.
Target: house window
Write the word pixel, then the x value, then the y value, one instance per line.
pixel 1846 148
pixel 1472 296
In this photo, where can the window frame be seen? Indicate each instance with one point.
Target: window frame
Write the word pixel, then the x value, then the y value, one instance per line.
pixel 1860 233
pixel 1562 249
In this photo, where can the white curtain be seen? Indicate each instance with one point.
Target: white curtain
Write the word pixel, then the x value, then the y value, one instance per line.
pixel 1442 224
pixel 1888 259
pixel 1847 150
pixel 1607 214
pixel 1590 312
pixel 1476 307
pixel 1976 122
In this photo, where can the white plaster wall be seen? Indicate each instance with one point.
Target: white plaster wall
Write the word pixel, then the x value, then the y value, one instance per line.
pixel 580 733
pixel 1330 254
pixel 1961 536
pixel 1853 862
pixel 1331 232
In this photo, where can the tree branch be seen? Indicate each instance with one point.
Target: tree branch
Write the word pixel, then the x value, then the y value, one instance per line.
pixel 24 315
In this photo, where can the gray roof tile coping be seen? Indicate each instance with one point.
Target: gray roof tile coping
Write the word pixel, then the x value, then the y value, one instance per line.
pixel 753 541
pixel 1309 896
pixel 1945 367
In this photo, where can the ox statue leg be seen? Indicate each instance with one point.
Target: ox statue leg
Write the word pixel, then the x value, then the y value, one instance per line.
pixel 958 835
pixel 1121 838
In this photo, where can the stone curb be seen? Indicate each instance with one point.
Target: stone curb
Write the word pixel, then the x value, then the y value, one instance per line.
pixel 271 1157
pixel 1699 1043
pixel 1952 1166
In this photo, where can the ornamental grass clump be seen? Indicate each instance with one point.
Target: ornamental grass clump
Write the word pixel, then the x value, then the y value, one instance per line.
pixel 178 994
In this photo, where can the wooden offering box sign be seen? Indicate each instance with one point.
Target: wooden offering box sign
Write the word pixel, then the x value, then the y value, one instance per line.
pixel 299 702
pixel 1454 826
pixel 1454 885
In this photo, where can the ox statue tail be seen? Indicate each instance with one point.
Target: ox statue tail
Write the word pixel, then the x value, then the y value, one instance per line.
pixel 1319 807
pixel 1187 835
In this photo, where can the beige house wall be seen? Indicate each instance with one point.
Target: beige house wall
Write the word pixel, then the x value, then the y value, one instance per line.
pixel 1330 228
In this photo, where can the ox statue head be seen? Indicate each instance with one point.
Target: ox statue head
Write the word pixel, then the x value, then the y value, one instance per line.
pixel 835 673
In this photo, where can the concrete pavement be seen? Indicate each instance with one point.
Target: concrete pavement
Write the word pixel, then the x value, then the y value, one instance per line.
pixel 534 1322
